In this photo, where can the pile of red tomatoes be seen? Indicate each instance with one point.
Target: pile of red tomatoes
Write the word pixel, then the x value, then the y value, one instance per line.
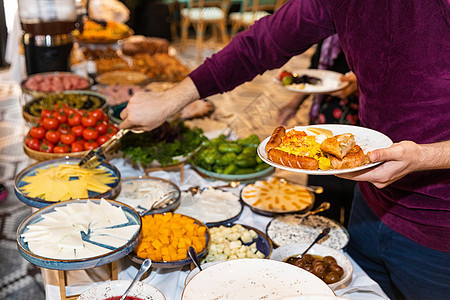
pixel 69 130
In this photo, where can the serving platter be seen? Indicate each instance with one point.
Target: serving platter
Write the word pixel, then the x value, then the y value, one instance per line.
pixel 263 243
pixel 140 192
pixel 288 229
pixel 179 262
pixel 33 169
pixel 253 279
pixel 211 206
pixel 41 156
pixel 116 288
pixel 93 101
pixel 272 192
pixel 330 82
pixel 367 139
pixel 286 251
pixel 234 177
pixel 112 253
pixel 37 93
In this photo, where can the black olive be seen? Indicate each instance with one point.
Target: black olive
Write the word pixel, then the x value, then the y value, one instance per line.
pixel 329 260
pixel 319 270
pixel 331 277
pixel 336 269
pixel 308 258
pixel 308 267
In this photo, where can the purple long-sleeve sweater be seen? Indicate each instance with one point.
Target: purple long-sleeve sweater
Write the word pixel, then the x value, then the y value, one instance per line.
pixel 400 53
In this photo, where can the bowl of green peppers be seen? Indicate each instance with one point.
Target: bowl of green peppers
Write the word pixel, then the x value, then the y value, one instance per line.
pixel 223 159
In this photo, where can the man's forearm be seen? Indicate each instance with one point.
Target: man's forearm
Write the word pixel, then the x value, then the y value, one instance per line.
pixel 434 156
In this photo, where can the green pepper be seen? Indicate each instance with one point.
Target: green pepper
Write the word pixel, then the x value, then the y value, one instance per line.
pixel 230 169
pixel 211 155
pixel 251 140
pixel 249 150
pixel 218 169
pixel 226 159
pixel 261 166
pixel 246 162
pixel 229 147
pixel 258 159
pixel 245 171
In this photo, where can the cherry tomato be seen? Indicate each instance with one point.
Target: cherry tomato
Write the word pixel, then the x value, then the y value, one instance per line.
pixel 64 128
pixel 284 74
pixel 34 144
pixel 77 130
pixel 67 138
pixel 90 134
pixel 88 121
pixel 77 146
pixel 52 136
pixel 61 148
pixel 50 123
pixel 112 130
pixel 60 116
pixel 28 138
pixel 45 113
pixel 46 146
pixel 88 145
pixel 98 114
pixel 74 119
pixel 69 111
pixel 60 107
pixel 101 127
pixel 102 139
pixel 37 132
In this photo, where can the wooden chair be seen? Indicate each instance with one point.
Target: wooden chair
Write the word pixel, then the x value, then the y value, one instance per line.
pixel 251 11
pixel 201 13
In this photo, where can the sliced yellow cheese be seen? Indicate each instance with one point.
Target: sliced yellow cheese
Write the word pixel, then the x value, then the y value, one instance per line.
pixel 66 181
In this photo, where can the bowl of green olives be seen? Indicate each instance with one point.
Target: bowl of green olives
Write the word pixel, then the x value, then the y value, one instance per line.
pixel 224 159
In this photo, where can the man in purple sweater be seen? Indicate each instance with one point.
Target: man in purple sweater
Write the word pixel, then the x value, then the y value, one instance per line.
pixel 399 51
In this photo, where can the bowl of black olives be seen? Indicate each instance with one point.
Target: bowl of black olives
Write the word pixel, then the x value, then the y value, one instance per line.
pixel 330 265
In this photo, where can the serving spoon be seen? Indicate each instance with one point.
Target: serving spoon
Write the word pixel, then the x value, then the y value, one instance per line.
pixel 193 254
pixel 197 189
pixel 161 200
pixel 321 235
pixel 322 207
pixel 144 267
pixel 311 188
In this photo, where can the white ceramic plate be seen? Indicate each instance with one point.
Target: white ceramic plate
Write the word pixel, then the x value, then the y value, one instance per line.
pixel 330 82
pixel 253 279
pixel 367 139
pixel 288 229
pixel 283 252
pixel 194 271
pixel 117 288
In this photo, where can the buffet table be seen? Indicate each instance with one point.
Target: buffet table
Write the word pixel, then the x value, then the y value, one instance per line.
pixel 171 281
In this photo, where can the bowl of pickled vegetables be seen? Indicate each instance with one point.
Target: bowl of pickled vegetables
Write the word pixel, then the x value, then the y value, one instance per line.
pixel 224 159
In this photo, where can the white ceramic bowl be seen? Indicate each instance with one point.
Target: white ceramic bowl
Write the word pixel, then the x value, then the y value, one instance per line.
pixel 253 279
pixel 117 288
pixel 283 252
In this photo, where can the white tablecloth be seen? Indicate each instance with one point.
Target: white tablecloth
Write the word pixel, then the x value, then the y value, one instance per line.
pixel 171 281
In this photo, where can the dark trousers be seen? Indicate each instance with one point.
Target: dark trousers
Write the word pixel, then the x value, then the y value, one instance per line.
pixel 402 267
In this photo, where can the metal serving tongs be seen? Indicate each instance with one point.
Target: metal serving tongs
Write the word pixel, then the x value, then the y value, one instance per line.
pixel 96 156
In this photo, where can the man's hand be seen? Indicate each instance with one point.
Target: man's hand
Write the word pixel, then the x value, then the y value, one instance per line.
pixel 401 159
pixel 148 110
